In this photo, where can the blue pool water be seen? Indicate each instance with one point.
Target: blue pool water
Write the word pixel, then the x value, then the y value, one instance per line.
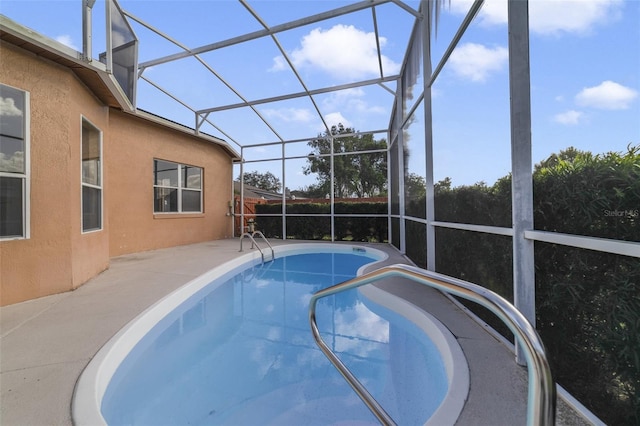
pixel 240 352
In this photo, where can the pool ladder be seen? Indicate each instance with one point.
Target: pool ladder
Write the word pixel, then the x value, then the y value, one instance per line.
pixel 541 406
pixel 254 244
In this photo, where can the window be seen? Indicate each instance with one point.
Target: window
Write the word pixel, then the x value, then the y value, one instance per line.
pixel 177 188
pixel 14 163
pixel 91 177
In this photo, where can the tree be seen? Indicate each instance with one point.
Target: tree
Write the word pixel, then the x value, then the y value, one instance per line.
pixel 267 181
pixel 567 155
pixel 359 175
pixel 443 185
pixel 315 190
pixel 415 186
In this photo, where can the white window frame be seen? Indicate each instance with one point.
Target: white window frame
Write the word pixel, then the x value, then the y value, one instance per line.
pixel 99 187
pixel 26 176
pixel 180 188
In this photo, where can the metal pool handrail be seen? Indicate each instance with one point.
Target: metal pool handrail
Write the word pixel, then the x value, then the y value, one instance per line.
pixel 541 406
pixel 253 242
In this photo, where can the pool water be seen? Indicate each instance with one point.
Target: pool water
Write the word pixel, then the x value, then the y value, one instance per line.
pixel 240 352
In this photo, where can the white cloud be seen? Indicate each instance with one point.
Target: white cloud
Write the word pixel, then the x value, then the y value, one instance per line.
pixel 335 118
pixel 279 64
pixel 362 106
pixel 436 93
pixel 300 115
pixel 570 117
pixel 8 108
pixel 550 17
pixel 492 12
pixel 351 100
pixel 342 51
pixel 342 95
pixel 607 95
pixel 574 16
pixel 67 41
pixel 476 62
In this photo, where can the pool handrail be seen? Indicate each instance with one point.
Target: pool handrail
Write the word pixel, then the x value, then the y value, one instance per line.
pixel 541 404
pixel 254 243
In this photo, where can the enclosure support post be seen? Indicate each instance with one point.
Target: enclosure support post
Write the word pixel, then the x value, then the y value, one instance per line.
pixel 284 194
pixel 87 29
pixel 428 136
pixel 241 192
pixel 332 189
pixel 521 163
pixel 400 149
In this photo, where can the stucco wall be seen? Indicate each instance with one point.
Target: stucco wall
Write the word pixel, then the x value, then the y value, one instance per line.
pixel 90 250
pixel 56 257
pixel 134 227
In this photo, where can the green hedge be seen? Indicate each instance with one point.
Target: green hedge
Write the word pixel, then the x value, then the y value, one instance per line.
pixel 299 228
pixel 477 204
pixel 587 302
pixel 371 229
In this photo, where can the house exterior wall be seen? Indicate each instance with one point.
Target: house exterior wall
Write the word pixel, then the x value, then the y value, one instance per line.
pixel 58 256
pixel 90 250
pixel 135 143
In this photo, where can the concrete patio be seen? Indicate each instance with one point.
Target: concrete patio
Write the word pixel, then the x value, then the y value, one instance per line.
pixel 46 343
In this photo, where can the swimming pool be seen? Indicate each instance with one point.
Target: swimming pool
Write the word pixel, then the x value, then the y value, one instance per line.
pixel 234 347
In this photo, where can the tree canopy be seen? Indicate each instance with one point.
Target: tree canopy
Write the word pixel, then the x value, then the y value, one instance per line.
pixel 415 186
pixel 267 180
pixel 355 175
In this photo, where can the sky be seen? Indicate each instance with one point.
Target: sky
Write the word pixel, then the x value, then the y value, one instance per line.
pixel 585 75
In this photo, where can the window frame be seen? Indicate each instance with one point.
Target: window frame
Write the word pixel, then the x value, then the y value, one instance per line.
pixel 180 188
pixel 83 185
pixel 26 176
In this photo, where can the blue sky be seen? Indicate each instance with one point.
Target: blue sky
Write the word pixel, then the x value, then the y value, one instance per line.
pixel 585 81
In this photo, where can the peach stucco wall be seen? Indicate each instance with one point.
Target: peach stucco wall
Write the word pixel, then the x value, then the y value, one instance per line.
pixel 56 257
pixel 135 143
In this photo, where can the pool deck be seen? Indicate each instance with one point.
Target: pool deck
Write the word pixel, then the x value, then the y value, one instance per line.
pixel 46 343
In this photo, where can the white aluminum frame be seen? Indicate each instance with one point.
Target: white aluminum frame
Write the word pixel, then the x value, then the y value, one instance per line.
pixel 522 230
